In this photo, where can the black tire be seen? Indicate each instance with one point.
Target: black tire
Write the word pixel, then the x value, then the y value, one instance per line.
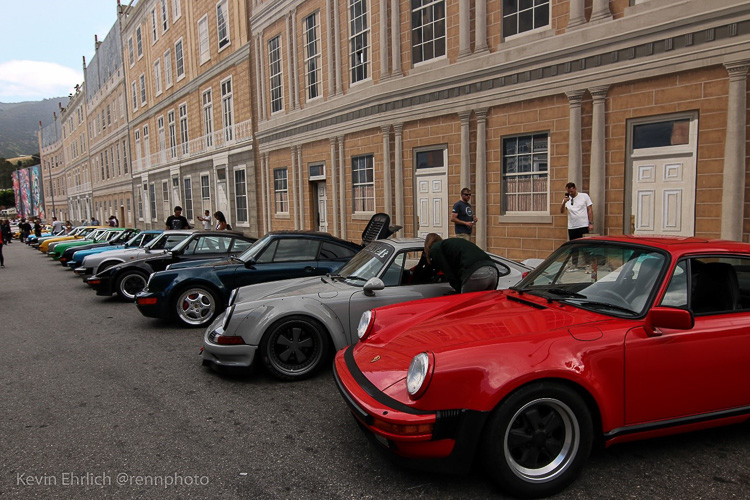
pixel 295 348
pixel 196 306
pixel 537 440
pixel 129 282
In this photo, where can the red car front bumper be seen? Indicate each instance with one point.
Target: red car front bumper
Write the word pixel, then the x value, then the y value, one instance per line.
pixel 435 440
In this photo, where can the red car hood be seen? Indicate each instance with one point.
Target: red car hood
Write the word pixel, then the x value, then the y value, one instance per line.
pixel 402 331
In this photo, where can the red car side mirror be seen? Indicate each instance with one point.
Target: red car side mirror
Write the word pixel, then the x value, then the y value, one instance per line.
pixel 668 317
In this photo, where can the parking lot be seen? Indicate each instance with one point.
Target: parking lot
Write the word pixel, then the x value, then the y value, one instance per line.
pixel 98 400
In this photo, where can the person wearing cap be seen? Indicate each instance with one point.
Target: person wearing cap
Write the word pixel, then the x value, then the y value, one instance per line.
pixel 177 221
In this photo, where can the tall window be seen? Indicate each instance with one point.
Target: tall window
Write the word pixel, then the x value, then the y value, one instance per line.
pixel 184 139
pixel 152 199
pixel 525 173
pixel 176 9
pixel 154 26
pixel 205 192
pixel 227 108
pixel 240 195
pixel 274 66
pixel 142 80
pixel 208 118
pixel 106 162
pixel 160 133
pixel 168 68
pixel 172 134
pixel 427 29
pixel 222 17
pixel 139 41
pixel 359 33
pixel 165 196
pixel 119 164
pixel 140 203
pixel 205 50
pixel 280 190
pixel 163 9
pixel 131 55
pixel 188 198
pixel 363 183
pixel 134 88
pixel 157 77
pixel 125 157
pixel 520 16
pixel 312 56
pixel 180 63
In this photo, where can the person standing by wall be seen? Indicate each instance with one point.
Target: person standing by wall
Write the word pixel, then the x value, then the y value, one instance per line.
pixel 206 220
pixel 177 221
pixel 467 267
pixel 221 221
pixel 580 212
pixel 57 225
pixel 462 215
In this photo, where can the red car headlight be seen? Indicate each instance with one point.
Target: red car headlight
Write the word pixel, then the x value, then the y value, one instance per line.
pixel 365 324
pixel 420 373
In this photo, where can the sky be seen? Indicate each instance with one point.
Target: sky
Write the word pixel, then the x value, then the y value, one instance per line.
pixel 43 42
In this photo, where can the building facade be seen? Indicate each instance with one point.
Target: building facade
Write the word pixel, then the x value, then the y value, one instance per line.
pixel 107 129
pixel 187 66
pixel 75 144
pixel 391 106
pixel 52 162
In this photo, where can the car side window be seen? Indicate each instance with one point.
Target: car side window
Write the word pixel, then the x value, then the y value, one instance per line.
pixel 677 291
pixel 191 246
pixel 332 251
pixel 719 285
pixel 212 244
pixel 394 273
pixel 172 241
pixel 296 249
pixel 267 254
pixel 239 246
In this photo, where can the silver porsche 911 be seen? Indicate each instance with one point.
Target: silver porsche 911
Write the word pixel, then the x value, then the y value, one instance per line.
pixel 290 326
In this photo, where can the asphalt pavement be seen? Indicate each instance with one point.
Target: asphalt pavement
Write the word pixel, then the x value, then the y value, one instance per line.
pixel 98 401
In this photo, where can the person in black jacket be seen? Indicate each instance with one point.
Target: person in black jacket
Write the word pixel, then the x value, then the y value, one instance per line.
pixel 467 267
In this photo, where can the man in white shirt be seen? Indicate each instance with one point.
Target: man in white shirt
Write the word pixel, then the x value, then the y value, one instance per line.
pixel 57 225
pixel 206 220
pixel 580 212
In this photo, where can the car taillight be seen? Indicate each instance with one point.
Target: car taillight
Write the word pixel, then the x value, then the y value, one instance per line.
pixel 94 282
pixel 147 301
pixel 233 340
pixel 403 430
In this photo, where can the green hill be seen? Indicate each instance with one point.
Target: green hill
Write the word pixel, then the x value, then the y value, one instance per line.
pixel 19 123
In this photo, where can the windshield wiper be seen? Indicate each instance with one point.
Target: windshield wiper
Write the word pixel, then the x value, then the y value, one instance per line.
pixel 608 305
pixel 565 293
pixel 354 278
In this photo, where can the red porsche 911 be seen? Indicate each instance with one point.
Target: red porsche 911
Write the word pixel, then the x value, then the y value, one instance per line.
pixel 611 339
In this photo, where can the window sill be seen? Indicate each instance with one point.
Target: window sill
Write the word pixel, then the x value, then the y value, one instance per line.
pixel 362 215
pixel 525 219
pixel 285 215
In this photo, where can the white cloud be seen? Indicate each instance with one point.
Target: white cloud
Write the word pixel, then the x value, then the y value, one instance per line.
pixel 36 80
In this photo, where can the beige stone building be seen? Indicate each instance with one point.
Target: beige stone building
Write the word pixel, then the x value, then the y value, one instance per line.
pixel 52 162
pixel 107 130
pixel 187 67
pixel 77 167
pixel 392 106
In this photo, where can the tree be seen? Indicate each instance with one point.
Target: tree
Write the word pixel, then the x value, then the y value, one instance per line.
pixel 7 198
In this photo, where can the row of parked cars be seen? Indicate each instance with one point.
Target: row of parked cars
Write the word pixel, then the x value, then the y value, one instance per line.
pixel 610 339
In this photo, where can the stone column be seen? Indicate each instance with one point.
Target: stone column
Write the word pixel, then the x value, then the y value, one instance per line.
pixel 334 187
pixel 464 28
pixel 301 187
pixel 266 161
pixel 263 192
pixel 480 27
pixel 600 11
pixel 733 192
pixel 465 178
pixel 575 171
pixel 292 189
pixel 598 177
pixel 262 58
pixel 295 62
pixel 258 78
pixel 396 38
pixel 384 40
pixel 398 130
pixel 337 54
pixel 480 190
pixel 290 62
pixel 329 52
pixel 342 186
pixel 577 16
pixel 387 194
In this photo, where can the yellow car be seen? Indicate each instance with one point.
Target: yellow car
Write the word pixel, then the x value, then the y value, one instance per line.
pixel 84 231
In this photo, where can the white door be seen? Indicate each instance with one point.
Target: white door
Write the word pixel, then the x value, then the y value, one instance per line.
pixel 322 207
pixel 664 195
pixel 222 193
pixel 432 204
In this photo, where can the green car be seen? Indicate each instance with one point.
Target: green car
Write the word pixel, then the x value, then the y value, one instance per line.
pixel 98 236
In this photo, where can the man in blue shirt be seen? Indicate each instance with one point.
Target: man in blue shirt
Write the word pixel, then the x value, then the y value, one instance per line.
pixel 463 216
